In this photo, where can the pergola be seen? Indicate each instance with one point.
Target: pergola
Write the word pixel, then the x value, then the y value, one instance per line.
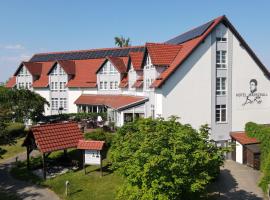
pixel 52 137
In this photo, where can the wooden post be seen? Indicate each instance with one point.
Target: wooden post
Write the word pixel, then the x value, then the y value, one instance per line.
pixel 83 155
pixel 44 166
pixel 100 164
pixel 27 154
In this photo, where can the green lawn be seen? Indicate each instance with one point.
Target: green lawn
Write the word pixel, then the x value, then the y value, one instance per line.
pixel 90 186
pixel 10 150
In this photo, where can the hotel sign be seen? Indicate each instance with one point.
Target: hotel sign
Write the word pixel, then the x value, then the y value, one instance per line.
pixel 253 97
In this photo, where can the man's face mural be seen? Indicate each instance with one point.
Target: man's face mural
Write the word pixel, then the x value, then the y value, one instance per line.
pixel 253 85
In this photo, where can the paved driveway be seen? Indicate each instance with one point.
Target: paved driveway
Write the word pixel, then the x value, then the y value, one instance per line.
pixel 238 182
pixel 26 191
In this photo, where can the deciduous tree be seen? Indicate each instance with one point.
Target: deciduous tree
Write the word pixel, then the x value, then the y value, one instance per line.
pixel 164 160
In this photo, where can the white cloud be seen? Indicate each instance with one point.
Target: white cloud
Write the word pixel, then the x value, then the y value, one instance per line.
pixel 14 47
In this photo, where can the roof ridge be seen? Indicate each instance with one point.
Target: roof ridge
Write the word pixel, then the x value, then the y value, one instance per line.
pixel 53 124
pixel 75 51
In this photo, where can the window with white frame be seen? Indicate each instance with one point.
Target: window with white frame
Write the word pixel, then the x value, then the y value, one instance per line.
pixel 105 85
pixel 63 103
pixel 221 39
pixel 221 86
pixel 148 63
pixel 116 85
pixel 101 85
pixel 54 103
pixel 61 71
pixel 221 59
pixel 52 86
pixel 54 71
pixel 221 113
pixel 55 86
pixel 111 85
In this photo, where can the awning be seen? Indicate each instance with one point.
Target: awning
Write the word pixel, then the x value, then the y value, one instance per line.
pixel 117 102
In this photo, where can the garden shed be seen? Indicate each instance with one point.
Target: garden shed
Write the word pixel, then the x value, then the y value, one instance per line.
pixel 52 137
pixel 246 149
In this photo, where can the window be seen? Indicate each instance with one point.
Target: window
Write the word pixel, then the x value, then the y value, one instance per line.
pixel 221 57
pixel 54 103
pixel 221 86
pixel 54 71
pixel 221 113
pixel 116 85
pixel 61 71
pixel 55 86
pixel 148 63
pixel 221 39
pixel 63 103
pixel 101 85
pixel 111 85
pixel 52 86
pixel 105 85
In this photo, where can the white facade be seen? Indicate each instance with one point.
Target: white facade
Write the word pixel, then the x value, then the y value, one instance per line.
pixel 219 84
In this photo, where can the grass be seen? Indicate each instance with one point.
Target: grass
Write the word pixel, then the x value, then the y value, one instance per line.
pixel 10 150
pixel 82 186
pixel 89 186
pixel 7 195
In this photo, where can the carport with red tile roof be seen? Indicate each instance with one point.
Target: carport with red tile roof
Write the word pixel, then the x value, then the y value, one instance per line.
pixel 52 137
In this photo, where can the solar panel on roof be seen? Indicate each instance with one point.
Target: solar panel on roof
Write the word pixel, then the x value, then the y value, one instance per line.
pixel 190 34
pixel 85 54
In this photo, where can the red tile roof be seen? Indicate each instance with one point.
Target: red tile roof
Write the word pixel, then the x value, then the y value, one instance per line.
pixel 11 82
pixel 43 80
pixel 33 68
pixel 136 58
pixel 162 54
pixel 90 145
pixel 138 83
pixel 112 101
pixel 187 48
pixel 67 65
pixel 124 82
pixel 242 138
pixel 85 73
pixel 117 62
pixel 53 137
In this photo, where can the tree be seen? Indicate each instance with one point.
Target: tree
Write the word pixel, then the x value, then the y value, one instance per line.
pixel 121 41
pixel 164 160
pixel 21 105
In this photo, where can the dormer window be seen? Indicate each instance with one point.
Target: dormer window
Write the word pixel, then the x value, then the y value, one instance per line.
pixel 221 39
pixel 54 71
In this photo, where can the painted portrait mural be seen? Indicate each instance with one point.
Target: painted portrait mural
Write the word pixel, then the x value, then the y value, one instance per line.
pixel 254 96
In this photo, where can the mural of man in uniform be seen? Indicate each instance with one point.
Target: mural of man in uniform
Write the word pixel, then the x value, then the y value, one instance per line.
pixel 253 96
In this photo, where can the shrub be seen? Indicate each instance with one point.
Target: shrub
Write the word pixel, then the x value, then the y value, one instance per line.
pixel 100 134
pixel 262 133
pixel 15 129
pixel 97 134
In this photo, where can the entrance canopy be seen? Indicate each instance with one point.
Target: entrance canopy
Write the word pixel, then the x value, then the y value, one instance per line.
pixel 116 102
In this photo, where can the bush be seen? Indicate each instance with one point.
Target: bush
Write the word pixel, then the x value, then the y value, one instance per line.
pixel 262 134
pixel 100 134
pixel 97 134
pixel 15 129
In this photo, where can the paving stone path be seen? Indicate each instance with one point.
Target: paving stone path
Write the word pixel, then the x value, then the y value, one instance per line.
pixel 237 181
pixel 24 190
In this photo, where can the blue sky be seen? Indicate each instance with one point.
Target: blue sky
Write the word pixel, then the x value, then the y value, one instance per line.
pixel 32 26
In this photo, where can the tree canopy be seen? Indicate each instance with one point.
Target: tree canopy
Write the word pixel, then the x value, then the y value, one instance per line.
pixel 20 105
pixel 164 160
pixel 121 41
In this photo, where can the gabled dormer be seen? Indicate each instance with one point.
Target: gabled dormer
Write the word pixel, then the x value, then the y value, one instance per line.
pixel 157 58
pixel 135 69
pixel 110 73
pixel 60 73
pixel 27 73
